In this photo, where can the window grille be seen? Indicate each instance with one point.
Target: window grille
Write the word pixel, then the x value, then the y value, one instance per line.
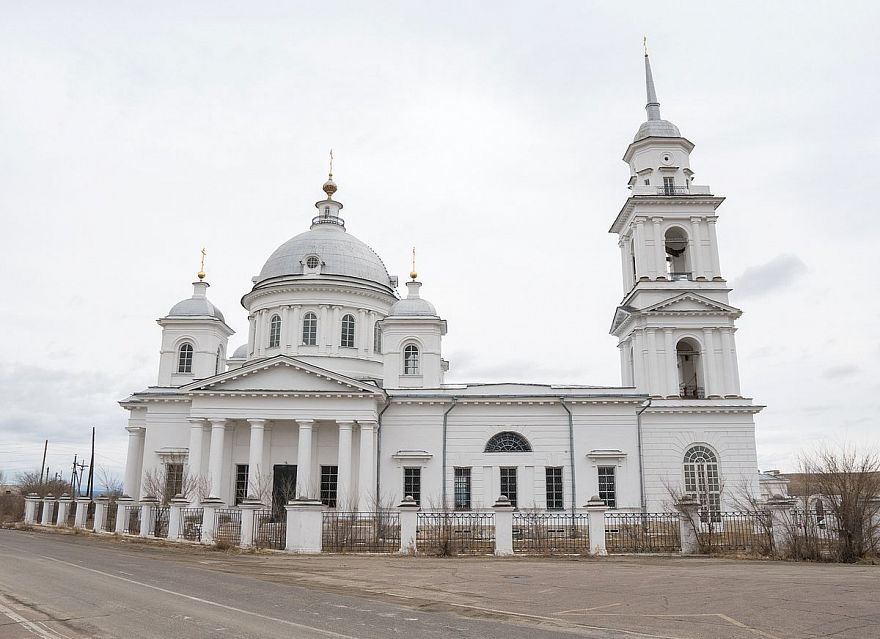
pixel 701 478
pixel 329 479
pixel 275 332
pixel 554 488
pixel 608 486
pixel 508 484
pixel 242 476
pixel 411 360
pixel 347 337
pixel 185 358
pixel 412 483
pixel 462 490
pixel 507 442
pixel 312 261
pixel 310 329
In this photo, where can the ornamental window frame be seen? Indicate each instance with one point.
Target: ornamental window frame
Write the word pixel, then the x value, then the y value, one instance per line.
pixel 347 331
pixel 412 356
pixel 275 331
pixel 185 354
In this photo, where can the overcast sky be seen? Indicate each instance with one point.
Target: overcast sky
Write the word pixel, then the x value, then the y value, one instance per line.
pixel 488 135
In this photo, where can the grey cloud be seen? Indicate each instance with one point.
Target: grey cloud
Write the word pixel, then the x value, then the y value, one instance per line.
pixel 844 370
pixel 778 273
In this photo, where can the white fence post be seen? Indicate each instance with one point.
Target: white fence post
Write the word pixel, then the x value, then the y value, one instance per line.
pixel 503 526
pixel 48 500
pixel 82 512
pixel 121 514
pixel 101 505
pixel 304 526
pixel 148 516
pixel 210 506
pixel 688 510
pixel 780 521
pixel 248 507
pixel 30 508
pixel 63 508
pixel 408 511
pixel 596 516
pixel 178 503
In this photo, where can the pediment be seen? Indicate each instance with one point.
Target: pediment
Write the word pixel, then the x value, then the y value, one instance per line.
pixel 282 374
pixel 621 314
pixel 691 303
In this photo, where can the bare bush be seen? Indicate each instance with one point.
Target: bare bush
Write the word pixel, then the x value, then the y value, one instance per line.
pixel 11 508
pixel 29 482
pixel 111 485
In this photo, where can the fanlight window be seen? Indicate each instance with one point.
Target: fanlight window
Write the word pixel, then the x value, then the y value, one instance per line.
pixel 347 337
pixel 411 360
pixel 274 331
pixel 508 442
pixel 185 358
pixel 310 329
pixel 701 478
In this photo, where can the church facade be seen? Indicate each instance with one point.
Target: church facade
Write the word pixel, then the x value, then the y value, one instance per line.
pixel 339 392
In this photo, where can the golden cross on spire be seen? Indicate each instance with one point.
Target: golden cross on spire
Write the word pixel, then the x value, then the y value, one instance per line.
pixel 331 163
pixel 413 273
pixel 201 273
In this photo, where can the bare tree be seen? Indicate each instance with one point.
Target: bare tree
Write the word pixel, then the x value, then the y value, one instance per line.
pixel 29 482
pixel 166 481
pixel 848 483
pixel 110 484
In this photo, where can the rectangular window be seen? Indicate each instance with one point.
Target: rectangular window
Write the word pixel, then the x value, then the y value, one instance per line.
pixel 462 489
pixel 173 481
pixel 508 484
pixel 412 483
pixel 669 185
pixel 241 483
pixel 329 476
pixel 607 486
pixel 554 488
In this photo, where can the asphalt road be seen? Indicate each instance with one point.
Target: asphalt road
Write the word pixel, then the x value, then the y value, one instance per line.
pixel 68 586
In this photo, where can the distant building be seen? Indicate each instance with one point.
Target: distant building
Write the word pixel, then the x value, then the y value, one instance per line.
pixel 340 392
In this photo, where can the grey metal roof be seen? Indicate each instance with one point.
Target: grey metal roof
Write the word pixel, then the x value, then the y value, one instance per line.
pixel 340 252
pixel 196 307
pixel 240 352
pixel 657 129
pixel 417 306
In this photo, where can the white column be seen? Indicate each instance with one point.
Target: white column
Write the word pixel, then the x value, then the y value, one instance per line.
pixel 304 486
pixel 710 365
pixel 734 363
pixel 344 497
pixel 258 333
pixel 624 265
pixel 194 462
pixel 335 331
pixel 623 367
pixel 323 329
pixel 134 461
pixel 713 249
pixel 728 358
pixel 639 249
pixel 256 479
pixel 215 458
pixel 285 330
pixel 697 254
pixel 655 379
pixel 366 468
pixel 639 378
pixel 671 364
pixel 251 334
pixel 361 341
pixel 294 335
pixel 659 250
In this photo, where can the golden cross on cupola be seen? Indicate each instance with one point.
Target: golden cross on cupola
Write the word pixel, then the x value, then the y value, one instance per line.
pixel 201 273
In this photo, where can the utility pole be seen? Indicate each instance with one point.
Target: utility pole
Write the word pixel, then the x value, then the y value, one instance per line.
pixel 73 477
pixel 43 464
pixel 90 489
pixel 79 478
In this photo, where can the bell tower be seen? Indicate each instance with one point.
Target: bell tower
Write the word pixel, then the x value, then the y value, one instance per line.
pixel 675 326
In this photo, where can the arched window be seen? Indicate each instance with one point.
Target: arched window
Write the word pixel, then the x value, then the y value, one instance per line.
pixel 185 358
pixel 507 442
pixel 411 360
pixel 347 336
pixel 275 331
pixel 677 258
pixel 377 338
pixel 690 373
pixel 701 478
pixel 310 329
pixel 217 361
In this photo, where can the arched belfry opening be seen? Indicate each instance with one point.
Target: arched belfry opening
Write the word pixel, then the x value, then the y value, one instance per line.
pixel 678 263
pixel 691 384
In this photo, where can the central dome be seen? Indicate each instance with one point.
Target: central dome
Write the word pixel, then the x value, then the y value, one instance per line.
pixel 339 253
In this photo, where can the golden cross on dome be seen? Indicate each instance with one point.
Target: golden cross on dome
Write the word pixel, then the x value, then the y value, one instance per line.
pixel 331 163
pixel 413 273
pixel 201 273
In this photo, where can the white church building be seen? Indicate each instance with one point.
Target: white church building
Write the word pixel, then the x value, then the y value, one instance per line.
pixel 340 392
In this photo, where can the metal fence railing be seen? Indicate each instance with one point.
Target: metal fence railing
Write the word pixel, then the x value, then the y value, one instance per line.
pixel 814 533
pixel 159 527
pixel 735 532
pixel 38 515
pixel 191 524
pixel 642 532
pixel 110 519
pixel 551 533
pixel 360 531
pixel 269 532
pixel 227 526
pixel 71 513
pixel 456 533
pixel 90 516
pixel 53 513
pixel 133 520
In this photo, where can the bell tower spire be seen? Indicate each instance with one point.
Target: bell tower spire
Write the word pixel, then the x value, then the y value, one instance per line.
pixel 653 106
